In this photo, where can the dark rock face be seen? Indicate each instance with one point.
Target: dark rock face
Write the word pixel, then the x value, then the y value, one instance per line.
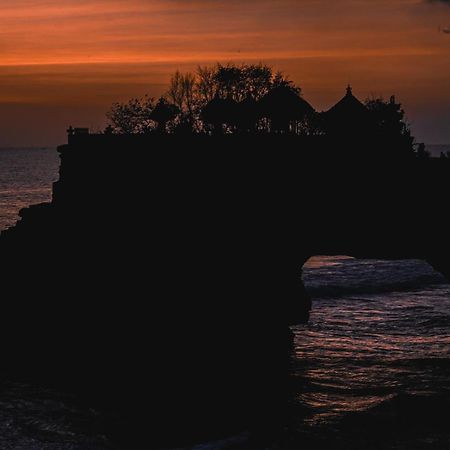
pixel 164 274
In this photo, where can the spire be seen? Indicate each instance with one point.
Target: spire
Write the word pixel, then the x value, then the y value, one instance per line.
pixel 349 90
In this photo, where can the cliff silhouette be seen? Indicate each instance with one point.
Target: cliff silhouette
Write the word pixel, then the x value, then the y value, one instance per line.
pixel 161 280
pixel 167 269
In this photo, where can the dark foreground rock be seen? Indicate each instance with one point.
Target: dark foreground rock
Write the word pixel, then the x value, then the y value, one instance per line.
pixel 161 280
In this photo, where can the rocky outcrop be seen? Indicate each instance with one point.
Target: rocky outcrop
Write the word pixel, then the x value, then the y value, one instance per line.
pixel 164 274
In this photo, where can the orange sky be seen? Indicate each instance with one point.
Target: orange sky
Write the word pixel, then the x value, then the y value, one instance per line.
pixel 64 61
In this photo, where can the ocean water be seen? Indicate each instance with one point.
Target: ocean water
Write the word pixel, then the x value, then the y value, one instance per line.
pixel 373 364
pixel 26 177
pixel 436 149
pixel 371 370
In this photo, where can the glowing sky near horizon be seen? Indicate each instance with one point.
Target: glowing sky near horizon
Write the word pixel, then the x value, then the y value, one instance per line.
pixel 64 62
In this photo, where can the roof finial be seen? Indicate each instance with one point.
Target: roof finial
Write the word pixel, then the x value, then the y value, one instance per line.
pixel 349 90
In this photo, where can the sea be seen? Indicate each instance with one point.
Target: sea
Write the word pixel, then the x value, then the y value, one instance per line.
pixel 371 369
pixel 26 177
pixel 436 150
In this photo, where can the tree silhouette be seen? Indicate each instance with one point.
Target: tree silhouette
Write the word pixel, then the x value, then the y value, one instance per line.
pixel 205 85
pixel 390 127
pixel 259 80
pixel 221 98
pixel 230 82
pixel 163 113
pixel 132 117
pixel 182 94
pixel 219 112
pixel 239 82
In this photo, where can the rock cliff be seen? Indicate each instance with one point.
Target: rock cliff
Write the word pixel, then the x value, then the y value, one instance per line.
pixel 164 274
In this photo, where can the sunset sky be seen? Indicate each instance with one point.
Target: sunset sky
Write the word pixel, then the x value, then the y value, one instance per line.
pixel 64 62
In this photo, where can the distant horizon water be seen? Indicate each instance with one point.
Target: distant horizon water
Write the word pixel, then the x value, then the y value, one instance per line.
pixel 433 148
pixel 437 149
pixel 26 178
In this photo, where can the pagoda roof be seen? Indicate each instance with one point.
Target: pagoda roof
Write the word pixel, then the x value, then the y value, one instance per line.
pixel 348 106
pixel 283 100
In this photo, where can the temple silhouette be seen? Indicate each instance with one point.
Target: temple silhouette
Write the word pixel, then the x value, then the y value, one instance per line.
pixel 253 99
pixel 283 107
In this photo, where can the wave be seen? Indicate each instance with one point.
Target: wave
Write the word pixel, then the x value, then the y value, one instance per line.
pixel 340 291
pixel 360 277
